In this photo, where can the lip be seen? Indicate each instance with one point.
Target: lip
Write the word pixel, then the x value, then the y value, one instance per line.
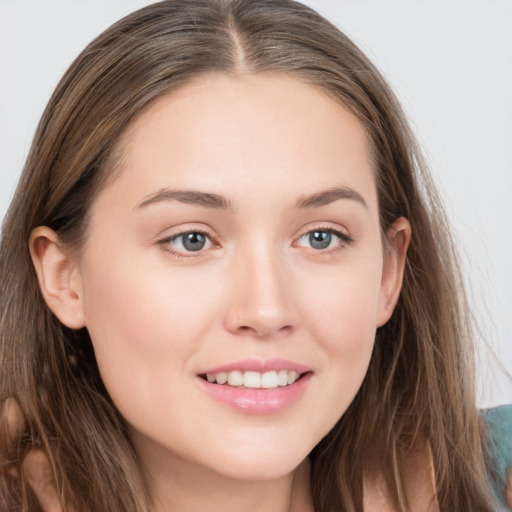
pixel 258 365
pixel 257 401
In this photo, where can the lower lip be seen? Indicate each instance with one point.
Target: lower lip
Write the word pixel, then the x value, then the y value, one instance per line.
pixel 257 401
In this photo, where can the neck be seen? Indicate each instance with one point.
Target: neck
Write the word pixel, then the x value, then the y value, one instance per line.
pixel 418 479
pixel 181 486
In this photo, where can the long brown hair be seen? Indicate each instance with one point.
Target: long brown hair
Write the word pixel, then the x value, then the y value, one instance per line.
pixel 420 381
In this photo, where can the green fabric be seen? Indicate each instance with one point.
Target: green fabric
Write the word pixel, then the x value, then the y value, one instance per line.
pixel 499 431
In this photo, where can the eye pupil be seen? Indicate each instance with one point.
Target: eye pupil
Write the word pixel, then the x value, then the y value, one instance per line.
pixel 194 241
pixel 320 239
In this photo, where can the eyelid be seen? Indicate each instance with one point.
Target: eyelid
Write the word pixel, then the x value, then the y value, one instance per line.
pixel 164 242
pixel 344 237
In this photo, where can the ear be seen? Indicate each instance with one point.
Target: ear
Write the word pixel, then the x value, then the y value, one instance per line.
pixel 59 277
pixel 398 238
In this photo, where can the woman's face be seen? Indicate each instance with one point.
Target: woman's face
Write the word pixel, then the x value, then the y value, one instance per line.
pixel 240 240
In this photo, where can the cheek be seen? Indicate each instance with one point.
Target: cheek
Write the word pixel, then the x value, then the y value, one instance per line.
pixel 342 318
pixel 343 311
pixel 146 332
pixel 144 325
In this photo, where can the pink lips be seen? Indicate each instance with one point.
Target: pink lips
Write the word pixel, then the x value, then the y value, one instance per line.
pixel 257 365
pixel 258 401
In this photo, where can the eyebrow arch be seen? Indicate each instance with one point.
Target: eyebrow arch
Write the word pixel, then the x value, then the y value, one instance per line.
pixel 329 196
pixel 204 199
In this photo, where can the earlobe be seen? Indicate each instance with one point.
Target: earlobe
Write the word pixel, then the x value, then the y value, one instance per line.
pixel 399 237
pixel 59 277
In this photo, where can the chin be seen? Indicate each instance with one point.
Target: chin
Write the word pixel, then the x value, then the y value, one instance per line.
pixel 260 470
pixel 260 465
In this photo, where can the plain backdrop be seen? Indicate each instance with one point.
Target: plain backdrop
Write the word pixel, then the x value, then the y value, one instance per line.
pixel 450 64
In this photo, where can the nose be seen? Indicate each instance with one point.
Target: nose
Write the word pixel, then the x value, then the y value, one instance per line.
pixel 262 301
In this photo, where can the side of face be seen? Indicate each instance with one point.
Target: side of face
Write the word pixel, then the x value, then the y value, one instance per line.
pixel 243 226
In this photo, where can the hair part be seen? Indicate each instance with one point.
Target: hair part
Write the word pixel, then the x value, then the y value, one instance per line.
pixel 419 386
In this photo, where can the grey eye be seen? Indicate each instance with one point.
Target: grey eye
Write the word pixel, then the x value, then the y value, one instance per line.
pixel 194 241
pixel 319 239
pixel 190 242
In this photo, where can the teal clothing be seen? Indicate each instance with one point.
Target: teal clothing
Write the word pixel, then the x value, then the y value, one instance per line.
pixel 499 431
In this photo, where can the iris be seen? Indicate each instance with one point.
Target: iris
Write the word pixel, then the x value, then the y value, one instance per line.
pixel 320 239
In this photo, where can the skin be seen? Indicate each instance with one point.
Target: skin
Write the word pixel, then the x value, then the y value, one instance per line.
pixel 159 315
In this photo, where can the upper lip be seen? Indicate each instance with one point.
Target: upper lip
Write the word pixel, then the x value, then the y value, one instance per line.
pixel 258 365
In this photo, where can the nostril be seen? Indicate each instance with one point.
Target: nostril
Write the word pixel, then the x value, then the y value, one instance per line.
pixel 265 331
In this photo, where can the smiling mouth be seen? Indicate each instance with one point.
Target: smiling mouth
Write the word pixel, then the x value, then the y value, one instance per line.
pixel 254 380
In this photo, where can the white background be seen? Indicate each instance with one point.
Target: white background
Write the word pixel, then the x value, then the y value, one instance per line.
pixel 450 64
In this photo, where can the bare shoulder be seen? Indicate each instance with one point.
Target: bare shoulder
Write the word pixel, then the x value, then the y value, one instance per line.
pixel 419 485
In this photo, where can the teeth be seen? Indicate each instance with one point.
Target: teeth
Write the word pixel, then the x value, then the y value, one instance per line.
pixel 235 378
pixel 282 378
pixel 252 380
pixel 256 380
pixel 221 378
pixel 270 380
pixel 292 377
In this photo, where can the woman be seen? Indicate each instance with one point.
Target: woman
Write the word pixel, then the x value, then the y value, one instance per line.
pixel 241 288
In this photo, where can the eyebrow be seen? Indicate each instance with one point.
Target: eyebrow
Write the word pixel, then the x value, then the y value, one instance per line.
pixel 329 196
pixel 218 202
pixel 204 199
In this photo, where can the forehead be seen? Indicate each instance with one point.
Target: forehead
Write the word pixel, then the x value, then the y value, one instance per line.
pixel 268 131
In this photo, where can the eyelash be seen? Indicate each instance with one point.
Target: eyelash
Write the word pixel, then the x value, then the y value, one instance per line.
pixel 165 242
pixel 343 238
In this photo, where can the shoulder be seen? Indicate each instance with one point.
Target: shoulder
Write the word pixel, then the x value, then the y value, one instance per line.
pixel 498 426
pixel 417 468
